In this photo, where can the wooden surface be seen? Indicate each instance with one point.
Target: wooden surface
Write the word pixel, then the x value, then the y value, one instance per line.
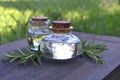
pixel 77 69
pixel 114 75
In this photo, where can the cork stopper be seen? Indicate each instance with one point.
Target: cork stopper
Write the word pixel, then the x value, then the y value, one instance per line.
pixel 38 20
pixel 61 26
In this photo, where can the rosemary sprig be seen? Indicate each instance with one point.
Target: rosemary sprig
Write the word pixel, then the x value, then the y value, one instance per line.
pixel 23 56
pixel 90 50
pixel 93 50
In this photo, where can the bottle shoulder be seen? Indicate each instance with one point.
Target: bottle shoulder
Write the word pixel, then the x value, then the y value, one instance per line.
pixel 38 30
pixel 62 38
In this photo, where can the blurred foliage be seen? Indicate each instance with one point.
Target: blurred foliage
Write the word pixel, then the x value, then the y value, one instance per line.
pixel 91 16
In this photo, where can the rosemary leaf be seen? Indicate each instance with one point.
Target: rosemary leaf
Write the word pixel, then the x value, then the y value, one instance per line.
pixel 13 59
pixel 39 59
pixel 29 56
pixel 21 51
pixel 33 61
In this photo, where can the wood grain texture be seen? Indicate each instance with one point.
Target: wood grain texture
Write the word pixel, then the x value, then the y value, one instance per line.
pixel 114 75
pixel 77 69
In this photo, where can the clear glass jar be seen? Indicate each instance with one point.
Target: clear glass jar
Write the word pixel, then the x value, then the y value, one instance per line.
pixel 37 31
pixel 61 44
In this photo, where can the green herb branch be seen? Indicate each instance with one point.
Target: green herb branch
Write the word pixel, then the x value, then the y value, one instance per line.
pixel 93 50
pixel 90 50
pixel 24 56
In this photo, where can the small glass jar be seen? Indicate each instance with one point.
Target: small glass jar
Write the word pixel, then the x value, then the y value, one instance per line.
pixel 61 44
pixel 37 31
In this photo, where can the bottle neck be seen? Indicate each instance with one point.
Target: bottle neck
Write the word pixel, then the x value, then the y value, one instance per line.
pixel 59 34
pixel 39 26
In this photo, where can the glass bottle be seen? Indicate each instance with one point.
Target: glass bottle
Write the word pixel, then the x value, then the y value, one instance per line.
pixel 37 31
pixel 61 44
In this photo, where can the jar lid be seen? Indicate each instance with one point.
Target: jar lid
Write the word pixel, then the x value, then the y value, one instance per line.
pixel 39 18
pixel 61 26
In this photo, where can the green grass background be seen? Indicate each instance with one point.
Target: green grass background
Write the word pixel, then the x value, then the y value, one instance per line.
pixel 90 16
